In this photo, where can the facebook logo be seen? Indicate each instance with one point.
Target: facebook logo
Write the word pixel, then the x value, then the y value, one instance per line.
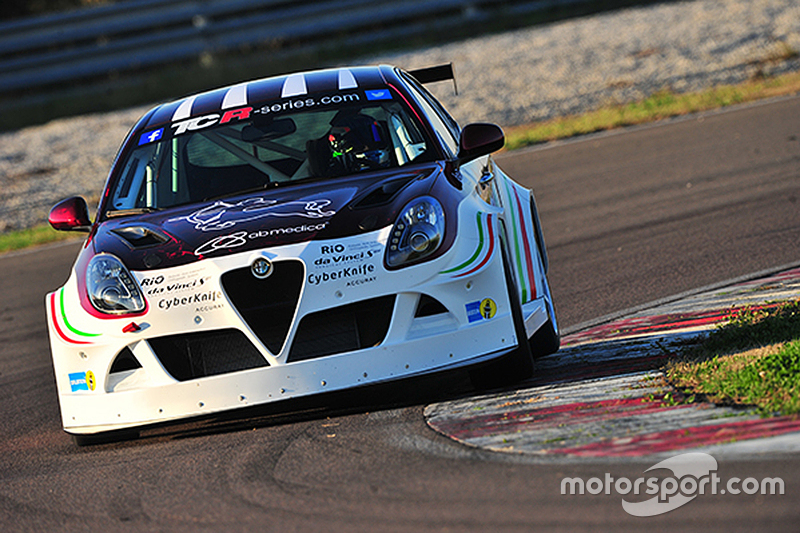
pixel 380 94
pixel 152 136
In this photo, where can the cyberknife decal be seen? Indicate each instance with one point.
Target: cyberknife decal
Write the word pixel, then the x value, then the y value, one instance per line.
pixel 223 215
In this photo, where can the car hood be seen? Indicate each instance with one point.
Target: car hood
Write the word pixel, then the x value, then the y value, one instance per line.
pixel 284 215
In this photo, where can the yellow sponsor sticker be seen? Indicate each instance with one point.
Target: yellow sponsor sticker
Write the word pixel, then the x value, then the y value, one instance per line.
pixel 488 308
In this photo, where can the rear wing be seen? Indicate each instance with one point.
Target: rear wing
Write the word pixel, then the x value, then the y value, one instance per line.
pixel 434 74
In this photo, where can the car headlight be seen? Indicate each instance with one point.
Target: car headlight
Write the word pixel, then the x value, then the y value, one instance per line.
pixel 111 287
pixel 417 233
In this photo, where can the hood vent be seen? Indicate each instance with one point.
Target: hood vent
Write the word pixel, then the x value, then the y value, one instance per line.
pixel 384 193
pixel 140 236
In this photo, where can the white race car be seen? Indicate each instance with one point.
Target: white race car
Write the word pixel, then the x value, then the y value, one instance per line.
pixel 293 236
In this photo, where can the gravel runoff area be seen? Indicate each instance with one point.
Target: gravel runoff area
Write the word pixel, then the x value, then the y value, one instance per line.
pixel 511 78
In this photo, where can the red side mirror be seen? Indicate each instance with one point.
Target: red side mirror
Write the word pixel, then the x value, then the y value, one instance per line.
pixel 71 214
pixel 480 139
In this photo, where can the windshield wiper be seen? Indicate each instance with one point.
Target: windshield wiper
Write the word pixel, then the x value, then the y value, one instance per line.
pixel 132 211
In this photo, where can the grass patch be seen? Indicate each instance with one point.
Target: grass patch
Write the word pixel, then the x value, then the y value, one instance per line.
pixel 754 359
pixel 661 105
pixel 16 240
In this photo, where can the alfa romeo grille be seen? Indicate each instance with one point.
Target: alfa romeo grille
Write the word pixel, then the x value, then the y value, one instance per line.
pixel 267 305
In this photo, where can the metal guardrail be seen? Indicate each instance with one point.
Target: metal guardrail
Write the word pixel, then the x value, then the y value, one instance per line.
pixel 73 47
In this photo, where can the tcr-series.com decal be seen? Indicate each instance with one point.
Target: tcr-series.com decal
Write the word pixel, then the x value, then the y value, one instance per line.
pixel 223 215
pixel 57 311
pixel 244 113
pixel 197 123
pixel 302 103
pixel 240 238
pixel 483 252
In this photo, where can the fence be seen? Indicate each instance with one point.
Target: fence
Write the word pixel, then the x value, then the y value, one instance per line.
pixel 52 50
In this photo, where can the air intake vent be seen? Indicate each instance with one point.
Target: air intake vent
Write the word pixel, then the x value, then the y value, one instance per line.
pixel 268 304
pixel 343 329
pixel 125 360
pixel 207 353
pixel 429 306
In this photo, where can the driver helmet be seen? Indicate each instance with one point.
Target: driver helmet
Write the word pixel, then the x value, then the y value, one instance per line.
pixel 360 141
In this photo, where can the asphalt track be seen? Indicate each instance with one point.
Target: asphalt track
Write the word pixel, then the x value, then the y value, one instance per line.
pixel 629 218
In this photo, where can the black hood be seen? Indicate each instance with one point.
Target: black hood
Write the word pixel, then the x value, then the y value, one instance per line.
pixel 285 215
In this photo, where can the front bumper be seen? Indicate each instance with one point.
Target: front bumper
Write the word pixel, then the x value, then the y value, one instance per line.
pixel 212 341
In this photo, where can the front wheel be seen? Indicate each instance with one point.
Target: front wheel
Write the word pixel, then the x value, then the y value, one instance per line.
pixel 545 341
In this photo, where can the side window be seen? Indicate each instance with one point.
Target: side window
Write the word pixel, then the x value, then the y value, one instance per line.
pixel 446 128
pixel 443 114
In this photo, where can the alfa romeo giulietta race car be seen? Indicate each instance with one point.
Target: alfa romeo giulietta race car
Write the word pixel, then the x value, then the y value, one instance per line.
pixel 292 236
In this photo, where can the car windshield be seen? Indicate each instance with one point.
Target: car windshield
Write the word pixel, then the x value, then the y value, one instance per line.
pixel 248 149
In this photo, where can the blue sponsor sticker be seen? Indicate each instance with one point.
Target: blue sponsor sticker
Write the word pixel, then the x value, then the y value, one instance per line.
pixel 474 311
pixel 151 136
pixel 379 94
pixel 77 381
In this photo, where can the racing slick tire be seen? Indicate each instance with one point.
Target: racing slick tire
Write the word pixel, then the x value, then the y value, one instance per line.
pixel 547 339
